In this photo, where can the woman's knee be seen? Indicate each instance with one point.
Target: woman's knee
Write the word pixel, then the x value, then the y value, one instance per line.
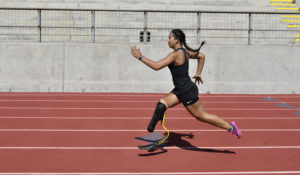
pixel 164 102
pixel 201 116
pixel 170 100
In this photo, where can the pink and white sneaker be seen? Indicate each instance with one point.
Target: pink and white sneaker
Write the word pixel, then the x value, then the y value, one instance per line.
pixel 235 130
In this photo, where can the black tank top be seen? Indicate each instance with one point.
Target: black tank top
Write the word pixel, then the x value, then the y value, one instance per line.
pixel 180 74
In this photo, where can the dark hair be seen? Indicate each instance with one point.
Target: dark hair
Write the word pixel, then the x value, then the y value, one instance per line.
pixel 178 34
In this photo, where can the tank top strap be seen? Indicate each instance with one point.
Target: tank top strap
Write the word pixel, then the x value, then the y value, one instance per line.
pixel 184 51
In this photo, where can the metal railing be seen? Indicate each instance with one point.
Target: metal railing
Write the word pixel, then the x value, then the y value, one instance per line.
pixel 135 26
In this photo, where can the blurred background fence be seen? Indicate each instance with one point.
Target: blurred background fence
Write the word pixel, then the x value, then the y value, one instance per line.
pixel 134 26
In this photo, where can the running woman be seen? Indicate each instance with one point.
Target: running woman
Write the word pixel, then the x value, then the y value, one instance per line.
pixel 185 91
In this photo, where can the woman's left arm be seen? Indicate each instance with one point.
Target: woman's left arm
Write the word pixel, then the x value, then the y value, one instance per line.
pixel 201 60
pixel 155 65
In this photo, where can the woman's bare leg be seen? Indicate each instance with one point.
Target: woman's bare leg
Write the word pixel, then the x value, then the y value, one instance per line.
pixel 199 113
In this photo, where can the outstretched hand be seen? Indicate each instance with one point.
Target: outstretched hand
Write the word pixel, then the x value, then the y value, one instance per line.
pixel 135 52
pixel 198 79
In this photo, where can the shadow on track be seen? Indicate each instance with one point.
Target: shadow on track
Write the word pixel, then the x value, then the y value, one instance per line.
pixel 177 140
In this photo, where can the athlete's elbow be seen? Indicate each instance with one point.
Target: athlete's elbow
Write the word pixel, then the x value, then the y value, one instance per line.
pixel 156 67
pixel 201 56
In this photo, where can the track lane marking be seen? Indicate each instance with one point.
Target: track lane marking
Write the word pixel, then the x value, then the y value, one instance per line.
pixel 158 173
pixel 133 101
pixel 130 109
pixel 136 148
pixel 143 130
pixel 146 118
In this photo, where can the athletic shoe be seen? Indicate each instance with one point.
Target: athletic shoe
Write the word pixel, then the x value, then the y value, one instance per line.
pixel 235 130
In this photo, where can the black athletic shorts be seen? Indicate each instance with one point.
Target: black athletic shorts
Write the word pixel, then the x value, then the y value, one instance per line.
pixel 189 96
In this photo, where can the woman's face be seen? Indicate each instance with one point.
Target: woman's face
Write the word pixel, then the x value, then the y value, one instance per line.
pixel 172 41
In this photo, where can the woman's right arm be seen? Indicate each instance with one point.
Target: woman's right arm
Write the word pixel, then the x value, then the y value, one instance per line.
pixel 155 65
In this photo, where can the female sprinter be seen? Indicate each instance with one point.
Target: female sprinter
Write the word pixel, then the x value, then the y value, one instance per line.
pixel 185 91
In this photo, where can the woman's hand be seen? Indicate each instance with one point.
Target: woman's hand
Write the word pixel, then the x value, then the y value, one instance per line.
pixel 135 52
pixel 198 79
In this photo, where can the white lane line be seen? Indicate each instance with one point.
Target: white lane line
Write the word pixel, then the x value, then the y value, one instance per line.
pixel 157 173
pixel 136 148
pixel 136 101
pixel 143 130
pixel 147 118
pixel 125 108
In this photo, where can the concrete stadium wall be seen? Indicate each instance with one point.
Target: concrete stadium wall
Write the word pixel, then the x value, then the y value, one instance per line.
pixel 230 5
pixel 121 3
pixel 50 67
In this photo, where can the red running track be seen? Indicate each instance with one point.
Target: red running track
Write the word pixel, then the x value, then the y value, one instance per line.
pixel 91 133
